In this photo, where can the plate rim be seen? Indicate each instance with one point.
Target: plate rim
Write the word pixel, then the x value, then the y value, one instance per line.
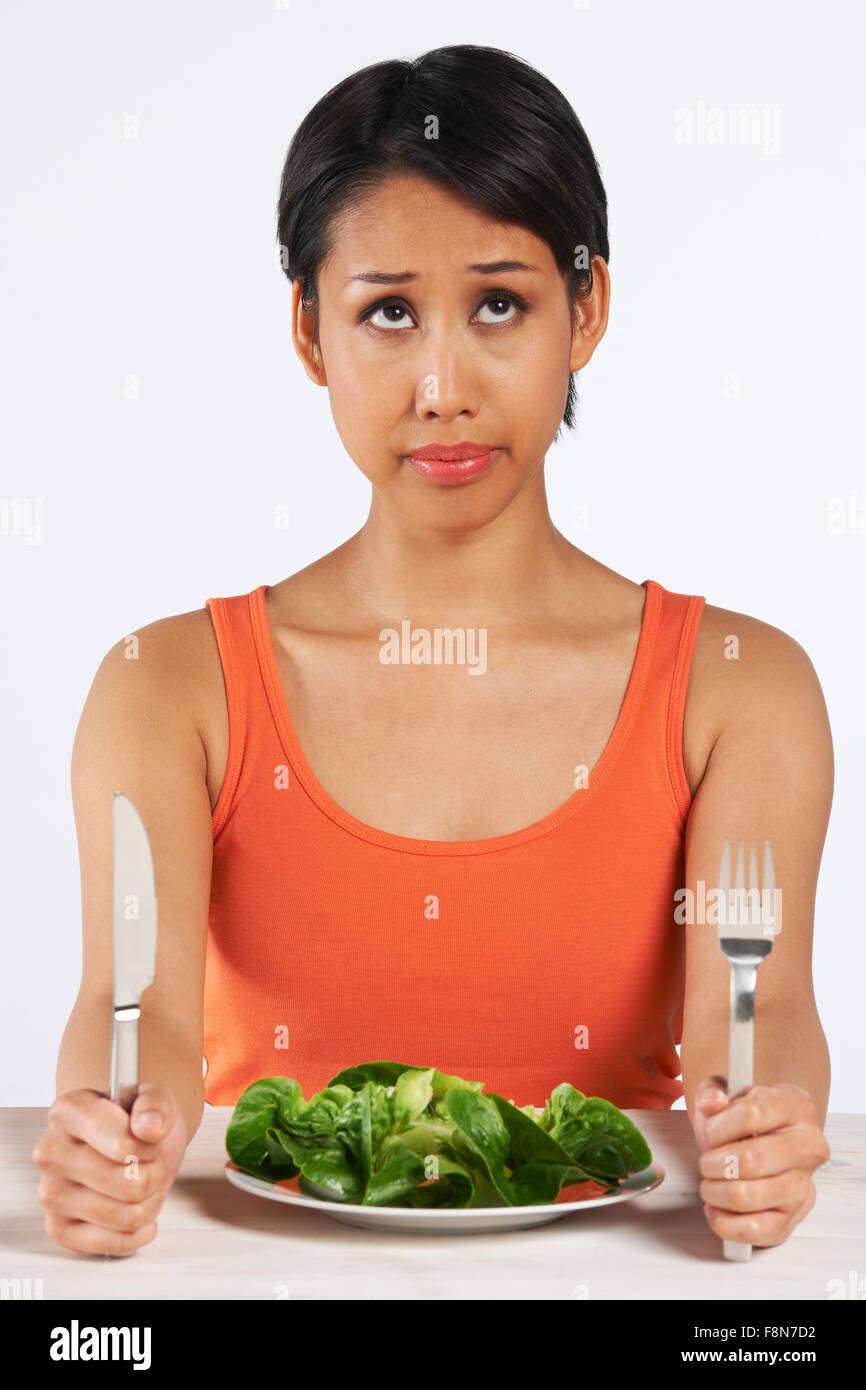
pixel 260 1187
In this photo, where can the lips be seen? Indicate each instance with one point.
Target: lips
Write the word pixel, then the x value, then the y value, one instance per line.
pixel 430 463
pixel 452 453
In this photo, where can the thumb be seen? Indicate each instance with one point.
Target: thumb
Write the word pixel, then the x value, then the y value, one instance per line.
pixel 153 1112
pixel 710 1097
pixel 712 1094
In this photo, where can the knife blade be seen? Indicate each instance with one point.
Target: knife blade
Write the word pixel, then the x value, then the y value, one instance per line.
pixel 134 943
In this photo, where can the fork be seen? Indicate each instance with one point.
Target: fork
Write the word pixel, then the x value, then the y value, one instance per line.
pixel 745 944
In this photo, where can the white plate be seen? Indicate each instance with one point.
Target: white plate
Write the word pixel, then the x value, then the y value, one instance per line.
pixel 448 1220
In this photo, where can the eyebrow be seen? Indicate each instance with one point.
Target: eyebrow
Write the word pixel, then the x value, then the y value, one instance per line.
pixel 381 277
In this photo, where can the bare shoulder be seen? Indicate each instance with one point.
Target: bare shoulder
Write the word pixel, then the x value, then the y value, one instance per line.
pixel 735 652
pixel 180 655
pixel 747 675
pixel 189 643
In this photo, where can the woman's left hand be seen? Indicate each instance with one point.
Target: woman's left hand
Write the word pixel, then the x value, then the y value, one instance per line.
pixel 758 1152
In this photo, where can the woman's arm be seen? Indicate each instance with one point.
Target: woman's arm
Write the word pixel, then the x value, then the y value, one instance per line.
pixel 790 1047
pixel 769 777
pixel 137 734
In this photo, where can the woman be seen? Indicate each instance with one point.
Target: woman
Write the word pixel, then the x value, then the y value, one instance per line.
pixel 431 798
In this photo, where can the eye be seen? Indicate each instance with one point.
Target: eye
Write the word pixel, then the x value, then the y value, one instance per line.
pixel 396 306
pixel 497 299
pixel 370 314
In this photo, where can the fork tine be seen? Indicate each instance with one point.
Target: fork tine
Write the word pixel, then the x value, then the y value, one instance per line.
pixel 770 886
pixel 740 881
pixel 754 887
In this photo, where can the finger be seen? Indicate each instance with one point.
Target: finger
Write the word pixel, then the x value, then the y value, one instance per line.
pixel 58 1152
pixel 759 1110
pixel 784 1192
pixel 763 1228
pixel 100 1123
pixel 763 1156
pixel 70 1201
pixel 755 1228
pixel 88 1239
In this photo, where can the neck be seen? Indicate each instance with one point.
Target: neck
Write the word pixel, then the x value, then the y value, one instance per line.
pixel 511 569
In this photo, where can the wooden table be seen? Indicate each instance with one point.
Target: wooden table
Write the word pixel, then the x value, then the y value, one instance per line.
pixel 217 1242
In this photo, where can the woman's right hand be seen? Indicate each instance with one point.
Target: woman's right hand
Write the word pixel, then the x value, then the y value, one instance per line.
pixel 106 1171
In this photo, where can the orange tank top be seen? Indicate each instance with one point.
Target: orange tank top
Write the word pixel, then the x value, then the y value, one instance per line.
pixel 546 955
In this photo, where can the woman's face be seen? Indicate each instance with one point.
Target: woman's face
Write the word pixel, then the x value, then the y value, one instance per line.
pixel 424 341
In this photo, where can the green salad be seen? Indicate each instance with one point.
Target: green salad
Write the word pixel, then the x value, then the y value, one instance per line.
pixel 389 1134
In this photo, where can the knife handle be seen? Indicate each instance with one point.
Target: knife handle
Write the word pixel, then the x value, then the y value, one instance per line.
pixel 123 1085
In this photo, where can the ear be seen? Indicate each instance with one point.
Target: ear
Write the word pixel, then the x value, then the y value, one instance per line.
pixel 303 330
pixel 590 317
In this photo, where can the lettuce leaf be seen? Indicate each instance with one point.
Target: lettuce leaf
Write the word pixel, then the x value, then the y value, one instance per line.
pixel 390 1134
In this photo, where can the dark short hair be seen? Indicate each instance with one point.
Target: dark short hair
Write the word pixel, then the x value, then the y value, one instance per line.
pixel 509 144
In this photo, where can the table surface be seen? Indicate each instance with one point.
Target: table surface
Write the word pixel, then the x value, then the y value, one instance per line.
pixel 215 1241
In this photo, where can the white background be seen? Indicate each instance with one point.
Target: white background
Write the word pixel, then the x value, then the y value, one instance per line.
pixel 720 416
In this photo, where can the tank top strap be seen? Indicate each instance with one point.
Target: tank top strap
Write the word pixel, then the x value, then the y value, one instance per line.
pixel 658 727
pixel 248 713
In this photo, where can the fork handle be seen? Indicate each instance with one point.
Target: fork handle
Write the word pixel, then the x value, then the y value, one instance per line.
pixel 741 1052
pixel 741 1059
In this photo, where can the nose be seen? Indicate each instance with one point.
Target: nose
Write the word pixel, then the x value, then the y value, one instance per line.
pixel 447 385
